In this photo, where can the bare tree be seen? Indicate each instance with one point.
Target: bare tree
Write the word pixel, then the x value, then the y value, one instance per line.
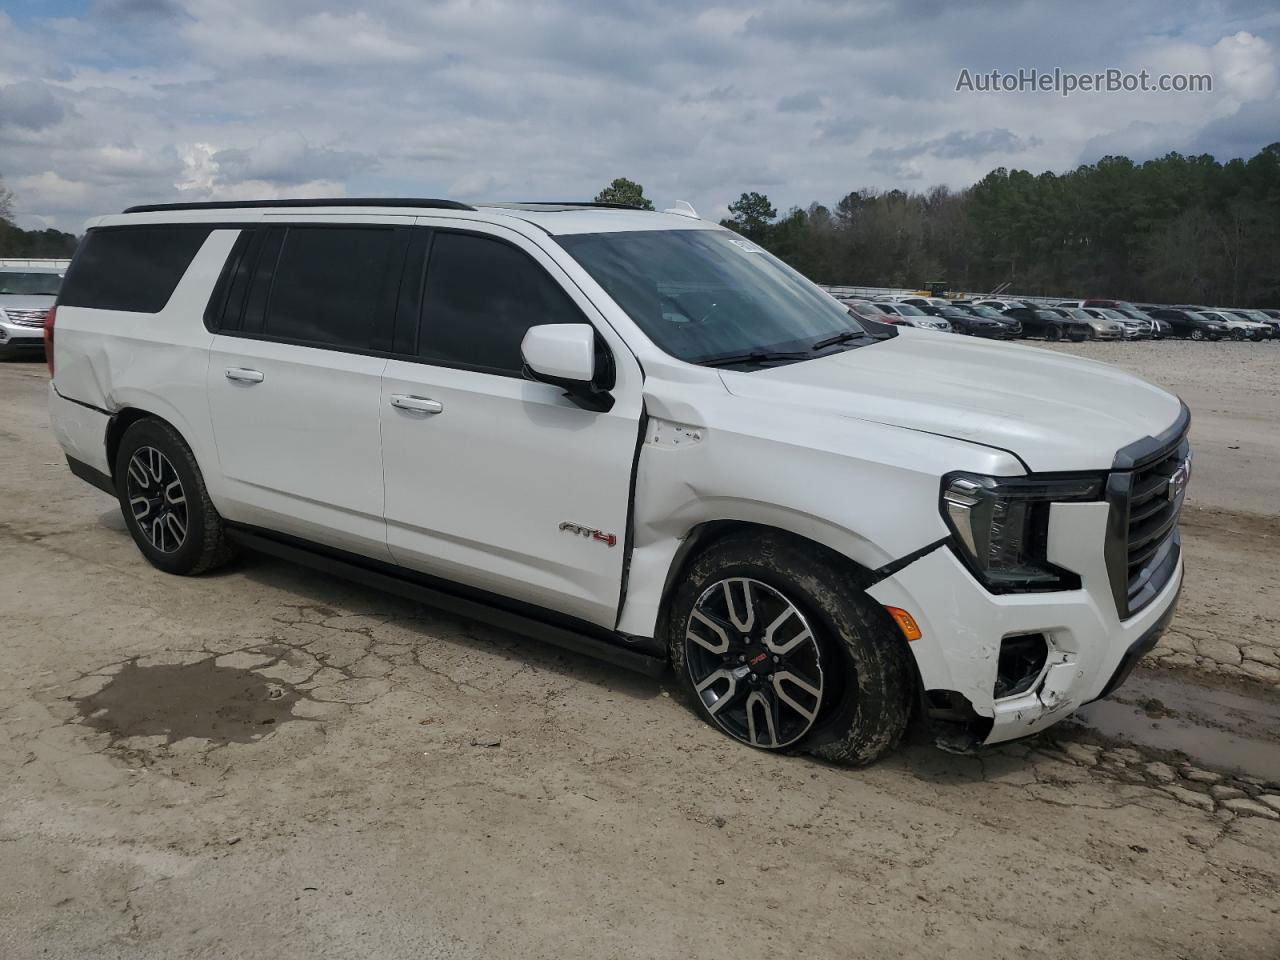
pixel 6 202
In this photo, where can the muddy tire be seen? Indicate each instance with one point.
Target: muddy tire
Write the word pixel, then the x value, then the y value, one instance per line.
pixel 165 503
pixel 780 649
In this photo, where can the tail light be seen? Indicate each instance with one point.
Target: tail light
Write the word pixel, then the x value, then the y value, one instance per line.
pixel 48 337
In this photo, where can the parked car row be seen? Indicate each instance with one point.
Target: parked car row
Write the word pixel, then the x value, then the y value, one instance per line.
pixel 1004 318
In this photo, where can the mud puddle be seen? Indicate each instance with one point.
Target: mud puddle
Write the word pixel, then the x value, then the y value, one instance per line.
pixel 200 700
pixel 1214 728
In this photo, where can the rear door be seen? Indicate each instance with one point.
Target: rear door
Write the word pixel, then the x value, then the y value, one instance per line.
pixel 294 378
pixel 492 480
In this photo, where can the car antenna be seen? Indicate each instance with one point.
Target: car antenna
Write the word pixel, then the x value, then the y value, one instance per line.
pixel 683 208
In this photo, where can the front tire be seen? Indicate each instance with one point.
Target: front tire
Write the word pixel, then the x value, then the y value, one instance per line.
pixel 1197 334
pixel 165 503
pixel 778 649
pixel 1053 334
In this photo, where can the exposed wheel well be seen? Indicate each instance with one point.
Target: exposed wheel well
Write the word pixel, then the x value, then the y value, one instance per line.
pixel 121 421
pixel 704 535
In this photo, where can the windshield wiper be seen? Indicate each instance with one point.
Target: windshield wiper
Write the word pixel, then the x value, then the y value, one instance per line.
pixel 844 337
pixel 757 356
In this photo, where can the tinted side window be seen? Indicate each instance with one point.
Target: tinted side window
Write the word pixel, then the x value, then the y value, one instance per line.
pixel 327 285
pixel 131 268
pixel 481 297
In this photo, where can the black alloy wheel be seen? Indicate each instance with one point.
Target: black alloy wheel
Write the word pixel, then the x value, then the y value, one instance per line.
pixel 156 499
pixel 754 663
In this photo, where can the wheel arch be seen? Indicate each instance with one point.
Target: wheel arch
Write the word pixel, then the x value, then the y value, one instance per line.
pixel 119 423
pixel 702 536
pixel 127 415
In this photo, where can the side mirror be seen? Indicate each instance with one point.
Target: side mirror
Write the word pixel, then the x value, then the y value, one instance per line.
pixel 566 355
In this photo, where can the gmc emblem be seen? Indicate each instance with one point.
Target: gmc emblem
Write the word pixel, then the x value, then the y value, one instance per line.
pixel 608 539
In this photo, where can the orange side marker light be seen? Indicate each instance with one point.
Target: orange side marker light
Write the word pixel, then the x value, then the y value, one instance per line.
pixel 906 623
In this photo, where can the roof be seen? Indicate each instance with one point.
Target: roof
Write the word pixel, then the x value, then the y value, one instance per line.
pixel 556 218
pixel 562 219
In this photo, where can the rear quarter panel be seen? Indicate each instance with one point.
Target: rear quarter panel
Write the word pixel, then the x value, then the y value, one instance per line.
pixel 112 359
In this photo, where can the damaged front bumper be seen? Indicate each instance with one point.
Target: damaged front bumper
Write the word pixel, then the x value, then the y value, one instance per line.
pixel 1088 649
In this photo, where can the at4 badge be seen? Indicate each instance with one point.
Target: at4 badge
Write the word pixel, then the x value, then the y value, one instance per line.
pixel 606 538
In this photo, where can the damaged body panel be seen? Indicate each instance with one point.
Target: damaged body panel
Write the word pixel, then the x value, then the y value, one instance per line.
pixel 963 625
pixel 710 457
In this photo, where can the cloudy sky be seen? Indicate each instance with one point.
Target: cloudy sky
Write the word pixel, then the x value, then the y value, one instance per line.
pixel 104 103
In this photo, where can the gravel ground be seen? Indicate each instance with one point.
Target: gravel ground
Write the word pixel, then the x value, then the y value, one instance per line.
pixel 272 762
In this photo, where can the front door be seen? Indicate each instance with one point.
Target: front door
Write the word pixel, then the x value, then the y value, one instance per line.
pixel 493 480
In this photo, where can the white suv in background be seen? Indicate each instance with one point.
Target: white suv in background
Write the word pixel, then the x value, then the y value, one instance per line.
pixel 637 435
pixel 26 294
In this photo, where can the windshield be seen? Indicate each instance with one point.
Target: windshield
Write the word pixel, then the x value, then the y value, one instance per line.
pixel 991 313
pixel 1111 314
pixel 1078 313
pixel 704 295
pixel 29 284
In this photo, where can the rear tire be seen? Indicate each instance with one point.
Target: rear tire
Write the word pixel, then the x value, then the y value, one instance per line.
pixel 165 503
pixel 780 650
pixel 1197 334
pixel 1237 334
pixel 1053 333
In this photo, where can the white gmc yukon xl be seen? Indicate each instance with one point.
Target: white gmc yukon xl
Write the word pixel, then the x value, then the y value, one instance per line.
pixel 637 435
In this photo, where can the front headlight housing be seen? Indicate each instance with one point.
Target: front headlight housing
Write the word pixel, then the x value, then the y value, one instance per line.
pixel 1001 526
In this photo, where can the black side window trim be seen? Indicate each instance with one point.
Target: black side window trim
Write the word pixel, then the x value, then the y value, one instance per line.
pixel 191 226
pixel 602 347
pixel 401 304
pixel 216 308
pixel 265 246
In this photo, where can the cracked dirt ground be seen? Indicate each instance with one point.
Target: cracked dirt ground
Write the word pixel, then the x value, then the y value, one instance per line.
pixel 272 762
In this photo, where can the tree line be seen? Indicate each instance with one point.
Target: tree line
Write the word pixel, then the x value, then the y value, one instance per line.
pixel 16 242
pixel 1178 229
pixel 1171 230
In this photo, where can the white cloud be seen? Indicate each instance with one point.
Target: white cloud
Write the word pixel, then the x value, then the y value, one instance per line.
pixel 1245 66
pixel 153 100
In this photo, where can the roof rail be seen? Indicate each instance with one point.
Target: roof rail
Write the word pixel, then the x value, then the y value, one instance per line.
pixel 579 203
pixel 330 202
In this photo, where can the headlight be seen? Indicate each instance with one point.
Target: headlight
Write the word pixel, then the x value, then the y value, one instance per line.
pixel 1001 525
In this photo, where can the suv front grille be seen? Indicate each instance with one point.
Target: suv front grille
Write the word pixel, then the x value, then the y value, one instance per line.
pixel 1143 542
pixel 27 318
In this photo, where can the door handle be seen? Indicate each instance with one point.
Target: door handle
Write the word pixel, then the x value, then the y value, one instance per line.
pixel 417 404
pixel 244 375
